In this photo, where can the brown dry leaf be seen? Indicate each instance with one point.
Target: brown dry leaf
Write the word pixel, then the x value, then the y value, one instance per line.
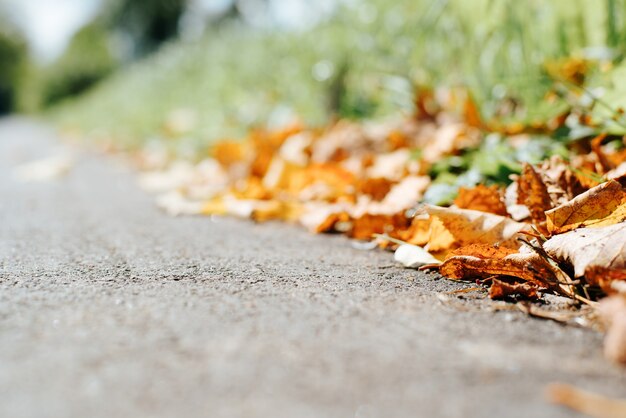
pixel 604 277
pixel 596 147
pixel 482 261
pixel 377 188
pixel 501 289
pixel 483 251
pixel 483 198
pixel 533 193
pixel 561 182
pixel 601 206
pixel 365 226
pixel 266 145
pixel 588 403
pixel 590 247
pixel 475 227
pixel 613 313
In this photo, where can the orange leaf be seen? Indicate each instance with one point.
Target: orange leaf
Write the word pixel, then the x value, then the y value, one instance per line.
pixel 527 266
pixel 483 198
pixel 501 289
pixel 368 224
pixel 533 193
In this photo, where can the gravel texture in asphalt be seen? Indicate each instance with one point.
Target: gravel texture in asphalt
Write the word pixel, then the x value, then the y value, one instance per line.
pixel 108 307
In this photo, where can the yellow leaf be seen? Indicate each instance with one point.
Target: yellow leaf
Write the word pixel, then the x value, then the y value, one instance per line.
pixel 475 227
pixel 601 206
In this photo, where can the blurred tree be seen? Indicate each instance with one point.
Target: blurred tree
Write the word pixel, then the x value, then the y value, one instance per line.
pixel 145 23
pixel 86 60
pixel 13 58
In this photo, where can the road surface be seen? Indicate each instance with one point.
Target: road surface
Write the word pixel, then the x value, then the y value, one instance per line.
pixel 108 307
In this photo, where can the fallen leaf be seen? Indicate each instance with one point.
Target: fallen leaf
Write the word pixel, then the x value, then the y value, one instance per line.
pixel 228 153
pixel 561 182
pixel 605 277
pixel 368 224
pixel 475 227
pixel 600 206
pixel 377 188
pixel 596 147
pixel 412 256
pixel 320 217
pixel 483 198
pixel 501 289
pixel 482 261
pixel 391 165
pixel 430 232
pixel 517 211
pixel 590 247
pixel 533 193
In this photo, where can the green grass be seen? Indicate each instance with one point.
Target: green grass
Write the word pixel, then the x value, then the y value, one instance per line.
pixel 364 62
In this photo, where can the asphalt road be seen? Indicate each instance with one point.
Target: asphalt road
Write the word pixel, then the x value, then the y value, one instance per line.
pixel 109 308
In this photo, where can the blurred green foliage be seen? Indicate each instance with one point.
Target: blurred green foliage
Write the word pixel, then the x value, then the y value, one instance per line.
pixel 143 24
pixel 13 65
pixel 86 60
pixel 124 30
pixel 365 61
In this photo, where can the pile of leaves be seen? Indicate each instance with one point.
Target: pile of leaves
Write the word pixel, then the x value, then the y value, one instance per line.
pixel 519 229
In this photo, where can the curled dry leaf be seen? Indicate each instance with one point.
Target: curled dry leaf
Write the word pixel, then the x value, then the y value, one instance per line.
pixel 561 182
pixel 482 261
pixel 413 256
pixel 590 247
pixel 533 193
pixel 600 206
pixel 475 227
pixel 585 402
pixel 501 289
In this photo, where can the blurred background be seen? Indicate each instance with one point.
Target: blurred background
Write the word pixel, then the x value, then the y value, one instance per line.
pixel 207 69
